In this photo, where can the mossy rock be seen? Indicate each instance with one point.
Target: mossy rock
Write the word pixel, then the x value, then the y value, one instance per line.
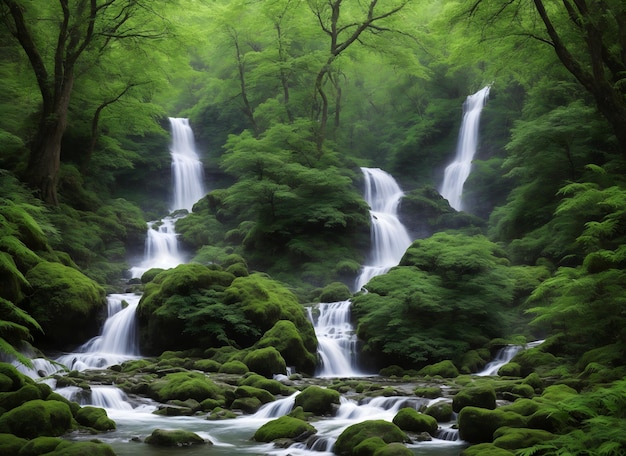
pixel 95 418
pixel 476 396
pixel 285 337
pixel 477 425
pixel 150 274
pixel 41 445
pixel 474 361
pixel 534 380
pixel 28 392
pixel 207 365
pixel 74 406
pixel 283 427
pixel 353 435
pixel 174 438
pixel 441 411
pixel 92 448
pixel 317 400
pixel 522 390
pixel 518 438
pixel 65 302
pixel 238 270
pixel 233 367
pixel 17 379
pixel 219 413
pixel 394 449
pixel 558 393
pixel 392 371
pixel 445 369
pixel 35 418
pixel 266 361
pixel 270 385
pixel 183 386
pixel 250 391
pixel 431 392
pixel 246 404
pixel 368 447
pixel 510 370
pixel 485 449
pixel 523 406
pixel 535 359
pixel 409 419
pixel 10 444
pixel 334 292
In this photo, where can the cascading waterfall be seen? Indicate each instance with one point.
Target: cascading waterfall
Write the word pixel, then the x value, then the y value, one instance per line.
pixel 187 170
pixel 335 334
pixel 503 356
pixel 457 172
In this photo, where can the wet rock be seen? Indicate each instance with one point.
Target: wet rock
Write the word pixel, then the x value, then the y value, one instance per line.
pixel 174 438
pixel 283 427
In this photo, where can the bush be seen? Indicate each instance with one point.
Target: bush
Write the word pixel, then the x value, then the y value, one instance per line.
pixel 335 291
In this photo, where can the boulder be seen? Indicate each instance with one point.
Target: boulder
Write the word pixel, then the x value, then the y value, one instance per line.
pixel 270 385
pixel 409 419
pixel 283 427
pixel 317 400
pixel 95 418
pixel 475 396
pixel 174 438
pixel 445 369
pixel 353 435
pixel 183 386
pixel 285 337
pixel 394 449
pixel 35 418
pixel 517 438
pixel 11 444
pixel 233 367
pixel 485 449
pixel 477 425
pixel 369 447
pixel 92 448
pixel 441 411
pixel 266 361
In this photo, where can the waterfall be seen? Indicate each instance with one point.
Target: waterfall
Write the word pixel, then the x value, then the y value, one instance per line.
pixel 503 356
pixel 336 337
pixel 456 173
pixel 187 171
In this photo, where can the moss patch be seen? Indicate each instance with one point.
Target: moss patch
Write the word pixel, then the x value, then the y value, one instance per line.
pixel 283 427
pixel 353 435
pixel 319 401
pixel 36 418
pixel 174 438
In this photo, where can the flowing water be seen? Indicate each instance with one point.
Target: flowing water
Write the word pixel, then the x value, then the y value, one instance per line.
pixel 504 356
pixel 335 334
pixel 457 172
pixel 187 170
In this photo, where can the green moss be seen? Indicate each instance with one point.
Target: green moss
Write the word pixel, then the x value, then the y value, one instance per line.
pixel 335 291
pixel 14 284
pixel 477 425
pixel 369 446
pixel 40 445
pixel 10 444
pixel 285 337
pixel 23 257
pixel 150 274
pixel 266 361
pixel 95 418
pixel 233 367
pixel 246 404
pixel 250 391
pixel 394 449
pixel 353 435
pixel 183 386
pixel 485 449
pixel 207 365
pixel 523 406
pixel 173 438
pixel 270 385
pixel 534 380
pixel 475 396
pixel 93 448
pixel 441 411
pixel 445 369
pixel 510 370
pixel 431 392
pixel 320 401
pixel 283 427
pixel 28 392
pixel 36 418
pixel 409 419
pixel 65 302
pixel 517 438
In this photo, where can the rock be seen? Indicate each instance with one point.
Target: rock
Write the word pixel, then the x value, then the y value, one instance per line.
pixel 285 337
pixel 369 447
pixel 41 445
pixel 174 438
pixel 35 418
pixel 92 448
pixel 266 361
pixel 394 449
pixel 246 404
pixel 475 396
pixel 233 367
pixel 441 411
pixel 320 401
pixel 353 435
pixel 445 369
pixel 269 385
pixel 283 427
pixel 95 418
pixel 183 386
pixel 477 425
pixel 250 391
pixel 510 370
pixel 518 438
pixel 409 419
pixel 485 449
pixel 11 444
pixel 28 392
pixel 207 365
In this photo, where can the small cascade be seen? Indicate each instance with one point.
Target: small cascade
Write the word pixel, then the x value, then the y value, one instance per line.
pixel 389 237
pixel 187 170
pixel 108 397
pixel 161 247
pixel 276 409
pixel 336 340
pixel 118 341
pixel 457 172
pixel 503 356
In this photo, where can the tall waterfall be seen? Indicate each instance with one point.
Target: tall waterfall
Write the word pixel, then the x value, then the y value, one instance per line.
pixel 457 172
pixel 187 170
pixel 335 334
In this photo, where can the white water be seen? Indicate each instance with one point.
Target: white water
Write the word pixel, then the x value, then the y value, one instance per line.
pixel 337 341
pixel 504 356
pixel 187 170
pixel 457 172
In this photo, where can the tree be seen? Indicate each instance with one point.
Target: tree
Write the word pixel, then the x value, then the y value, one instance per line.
pixel 588 38
pixel 75 27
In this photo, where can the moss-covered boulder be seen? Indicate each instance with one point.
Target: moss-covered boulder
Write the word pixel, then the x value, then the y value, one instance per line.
pixel 394 449
pixel 441 411
pixel 183 386
pixel 369 447
pixel 518 438
pixel 266 361
pixel 409 419
pixel 246 404
pixel 10 444
pixel 285 337
pixel 35 418
pixel 250 391
pixel 522 406
pixel 272 386
pixel 65 302
pixel 207 365
pixel 334 292
pixel 233 367
pixel 28 392
pixel 445 369
pixel 174 438
pixel 485 449
pixel 477 425
pixel 510 370
pixel 92 448
pixel 476 396
pixel 353 435
pixel 12 378
pixel 317 400
pixel 285 427
pixel 41 445
pixel 430 392
pixel 95 418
